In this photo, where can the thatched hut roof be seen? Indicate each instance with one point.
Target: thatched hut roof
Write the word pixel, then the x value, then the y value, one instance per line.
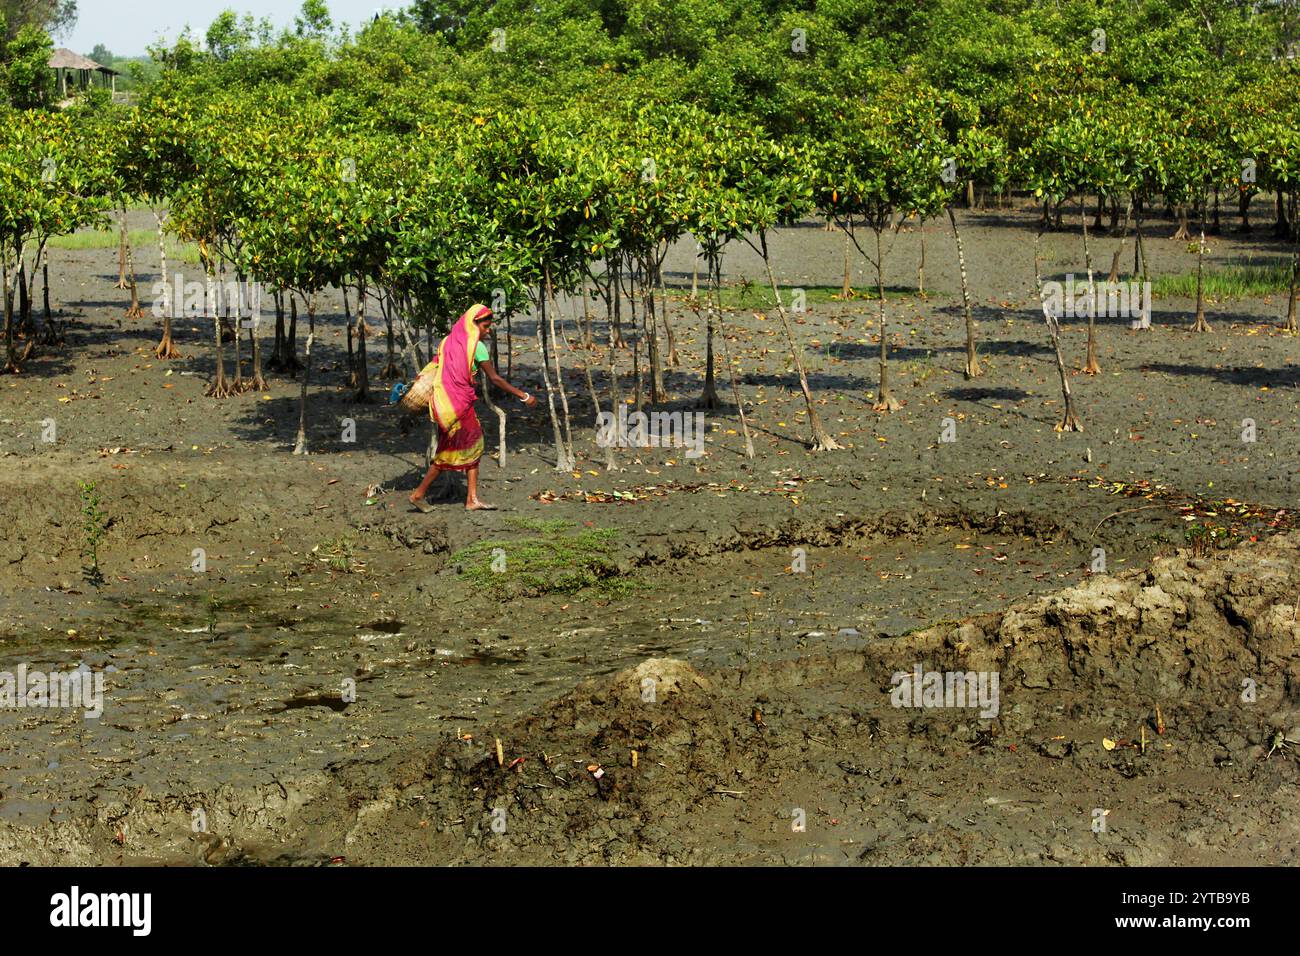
pixel 65 59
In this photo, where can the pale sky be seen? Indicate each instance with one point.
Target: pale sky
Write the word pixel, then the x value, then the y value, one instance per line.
pixel 126 27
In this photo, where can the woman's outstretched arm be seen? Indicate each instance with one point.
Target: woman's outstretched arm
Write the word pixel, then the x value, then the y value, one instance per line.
pixel 494 378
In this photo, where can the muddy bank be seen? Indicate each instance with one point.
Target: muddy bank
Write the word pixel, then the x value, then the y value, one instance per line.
pixel 729 759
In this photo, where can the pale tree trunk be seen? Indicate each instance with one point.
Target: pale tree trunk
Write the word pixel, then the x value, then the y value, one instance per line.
pixel 1200 325
pixel 11 359
pixel 559 375
pixel 673 360
pixel 595 400
pixel 300 444
pixel 972 369
pixel 735 383
pixel 562 459
pixel 134 311
pixel 166 349
pixel 1295 285
pixel 885 401
pixel 615 390
pixel 920 269
pixel 846 289
pixel 239 386
pixel 258 381
pixel 650 330
pixel 121 249
pixel 1090 366
pixel 613 272
pixel 822 441
pixel 1069 421
pixel 1123 236
pixel 500 414
pixel 218 388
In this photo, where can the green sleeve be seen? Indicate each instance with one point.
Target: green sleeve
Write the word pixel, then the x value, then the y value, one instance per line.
pixel 480 355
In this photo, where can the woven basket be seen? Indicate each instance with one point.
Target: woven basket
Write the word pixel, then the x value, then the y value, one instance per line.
pixel 415 400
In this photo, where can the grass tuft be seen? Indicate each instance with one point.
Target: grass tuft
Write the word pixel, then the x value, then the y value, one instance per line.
pixel 1241 280
pixel 554 559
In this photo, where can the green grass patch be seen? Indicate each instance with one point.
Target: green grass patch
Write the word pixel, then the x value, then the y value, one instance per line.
pixel 143 241
pixel 1236 281
pixel 554 558
pixel 337 554
pixel 758 296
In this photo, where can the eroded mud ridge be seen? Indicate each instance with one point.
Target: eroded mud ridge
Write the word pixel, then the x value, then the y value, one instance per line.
pixel 1143 718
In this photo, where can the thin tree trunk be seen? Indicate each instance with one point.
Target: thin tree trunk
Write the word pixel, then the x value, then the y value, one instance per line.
pixel 121 249
pixel 846 288
pixel 300 444
pixel 258 382
pixel 1114 262
pixel 1200 325
pixel 562 460
pixel 614 269
pixel 559 374
pixel 486 388
pixel 1295 289
pixel 24 299
pixel 134 311
pixel 1090 366
pixel 361 371
pixel 291 363
pixel 351 378
pixel 239 386
pixel 651 331
pixel 218 388
pixel 48 325
pixel 673 360
pixel 615 390
pixel 709 398
pixel 166 349
pixel 11 359
pixel 1069 421
pixel 920 269
pixel 972 369
pixel 391 368
pixel 735 383
pixel 885 401
pixel 822 441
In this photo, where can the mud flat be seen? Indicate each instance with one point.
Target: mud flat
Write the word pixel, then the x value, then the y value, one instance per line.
pixel 332 684
pixel 731 760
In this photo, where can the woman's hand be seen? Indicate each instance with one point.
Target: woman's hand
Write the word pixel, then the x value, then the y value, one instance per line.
pixel 530 400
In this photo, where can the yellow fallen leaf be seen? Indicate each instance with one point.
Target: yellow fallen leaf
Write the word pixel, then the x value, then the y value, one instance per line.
pixel 1108 743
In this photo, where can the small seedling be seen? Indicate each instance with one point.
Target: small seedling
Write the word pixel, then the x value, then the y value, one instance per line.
pixel 94 524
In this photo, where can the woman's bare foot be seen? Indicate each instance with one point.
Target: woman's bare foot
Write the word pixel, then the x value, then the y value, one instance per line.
pixel 477 505
pixel 420 504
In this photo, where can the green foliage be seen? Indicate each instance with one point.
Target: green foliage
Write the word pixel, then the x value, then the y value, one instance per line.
pixel 94 525
pixel 556 559
pixel 28 80
pixel 336 553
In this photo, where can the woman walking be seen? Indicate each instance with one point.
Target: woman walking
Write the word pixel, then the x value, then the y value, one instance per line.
pixel 451 405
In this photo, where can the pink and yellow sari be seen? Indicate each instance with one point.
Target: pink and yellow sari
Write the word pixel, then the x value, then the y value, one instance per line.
pixel 451 404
